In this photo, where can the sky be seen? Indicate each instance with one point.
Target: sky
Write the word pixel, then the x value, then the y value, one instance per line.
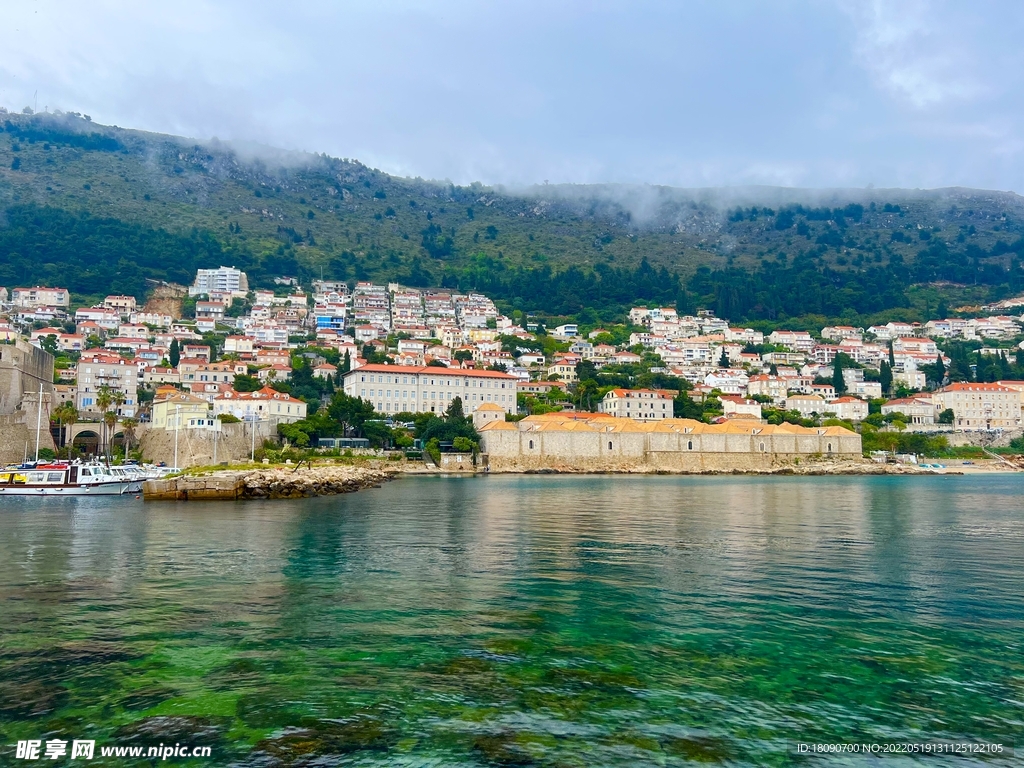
pixel 823 93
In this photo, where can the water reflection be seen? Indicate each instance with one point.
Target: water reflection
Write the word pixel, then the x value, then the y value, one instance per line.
pixel 608 620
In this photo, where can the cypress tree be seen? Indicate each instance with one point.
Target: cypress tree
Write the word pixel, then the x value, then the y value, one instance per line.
pixel 838 382
pixel 174 354
pixel 885 377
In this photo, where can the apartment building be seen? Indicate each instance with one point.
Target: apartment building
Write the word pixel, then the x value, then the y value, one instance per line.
pixel 40 297
pixel 638 404
pixel 262 405
pixel 220 280
pixel 97 371
pixel 124 305
pixel 396 389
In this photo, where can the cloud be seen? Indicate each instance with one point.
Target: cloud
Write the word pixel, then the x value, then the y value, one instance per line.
pixel 912 53
pixel 705 93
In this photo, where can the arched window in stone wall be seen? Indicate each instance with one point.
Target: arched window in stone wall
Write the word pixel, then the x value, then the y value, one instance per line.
pixel 830 447
pixel 531 445
pixel 762 447
pixel 689 445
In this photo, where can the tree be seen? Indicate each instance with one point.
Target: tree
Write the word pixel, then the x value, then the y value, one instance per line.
pixel 463 356
pixel 129 427
pixel 109 421
pixel 104 399
pixel 350 412
pixel 463 444
pixel 245 383
pixel 454 410
pixel 838 380
pixel 885 377
pixel 377 432
pixel 939 370
pixel 294 434
pixel 433 450
pixel 685 407
pixel 66 415
pixel 892 355
pixel 239 307
pixel 346 366
pixel 723 361
pixel 49 343
pixel 947 416
pixel 174 354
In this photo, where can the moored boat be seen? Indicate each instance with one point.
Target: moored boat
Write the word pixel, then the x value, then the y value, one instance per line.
pixel 63 479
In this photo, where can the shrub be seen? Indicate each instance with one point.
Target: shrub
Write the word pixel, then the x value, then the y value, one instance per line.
pixel 463 444
pixel 433 450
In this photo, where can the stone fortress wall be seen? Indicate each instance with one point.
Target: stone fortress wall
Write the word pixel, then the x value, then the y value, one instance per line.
pixel 593 442
pixel 23 368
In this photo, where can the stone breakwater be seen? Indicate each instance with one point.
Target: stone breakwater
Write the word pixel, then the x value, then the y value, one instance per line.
pixel 270 483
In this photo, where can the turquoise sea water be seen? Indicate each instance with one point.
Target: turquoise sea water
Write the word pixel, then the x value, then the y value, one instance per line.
pixel 548 621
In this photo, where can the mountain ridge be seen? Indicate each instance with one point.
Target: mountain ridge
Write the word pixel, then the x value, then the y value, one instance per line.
pixel 300 213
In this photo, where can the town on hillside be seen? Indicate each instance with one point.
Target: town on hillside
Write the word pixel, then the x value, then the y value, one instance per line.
pixel 347 366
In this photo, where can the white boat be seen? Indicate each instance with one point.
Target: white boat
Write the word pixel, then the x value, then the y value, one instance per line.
pixel 62 479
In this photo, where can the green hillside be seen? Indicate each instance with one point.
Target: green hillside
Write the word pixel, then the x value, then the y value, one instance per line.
pixel 100 208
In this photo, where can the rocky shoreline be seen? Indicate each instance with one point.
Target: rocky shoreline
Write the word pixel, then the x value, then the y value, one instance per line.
pixel 289 482
pixel 813 468
pixel 268 483
pixel 282 483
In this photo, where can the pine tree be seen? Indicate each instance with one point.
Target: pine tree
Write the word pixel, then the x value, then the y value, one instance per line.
pixel 174 354
pixel 723 361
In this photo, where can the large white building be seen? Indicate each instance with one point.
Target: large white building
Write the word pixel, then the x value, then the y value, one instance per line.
pixel 220 280
pixel 980 406
pixel 400 388
pixel 638 404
